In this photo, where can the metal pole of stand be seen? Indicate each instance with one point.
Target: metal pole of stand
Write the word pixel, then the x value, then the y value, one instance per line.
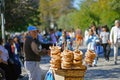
pixel 2 26
pixel 2 8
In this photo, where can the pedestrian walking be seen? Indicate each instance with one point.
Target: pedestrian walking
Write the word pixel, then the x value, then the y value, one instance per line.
pixel 79 38
pixel 115 39
pixel 53 37
pixel 104 36
pixel 86 35
pixel 91 45
pixel 65 41
pixel 94 28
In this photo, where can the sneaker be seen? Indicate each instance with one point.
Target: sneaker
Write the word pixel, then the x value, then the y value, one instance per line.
pixel 21 76
pixel 107 60
pixel 95 65
pixel 89 65
pixel 115 62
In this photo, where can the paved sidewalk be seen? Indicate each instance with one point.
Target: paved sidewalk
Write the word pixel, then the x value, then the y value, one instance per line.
pixel 44 64
pixel 104 70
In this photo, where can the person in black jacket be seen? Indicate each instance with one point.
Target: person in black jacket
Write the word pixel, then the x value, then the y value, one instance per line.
pixel 32 53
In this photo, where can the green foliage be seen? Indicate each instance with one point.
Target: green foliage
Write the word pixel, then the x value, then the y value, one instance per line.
pixel 21 13
pixel 51 10
pixel 116 5
pixel 99 11
pixel 65 19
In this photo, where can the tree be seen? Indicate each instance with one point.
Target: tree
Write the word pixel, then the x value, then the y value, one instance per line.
pixel 21 13
pixel 51 10
pixel 99 11
pixel 115 4
pixel 66 21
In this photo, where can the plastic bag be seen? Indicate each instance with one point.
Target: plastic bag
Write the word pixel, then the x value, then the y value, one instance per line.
pixel 49 75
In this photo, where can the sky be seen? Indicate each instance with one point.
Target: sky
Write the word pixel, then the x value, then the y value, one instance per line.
pixel 75 4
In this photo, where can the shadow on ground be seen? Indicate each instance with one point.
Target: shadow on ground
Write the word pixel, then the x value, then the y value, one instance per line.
pixel 102 74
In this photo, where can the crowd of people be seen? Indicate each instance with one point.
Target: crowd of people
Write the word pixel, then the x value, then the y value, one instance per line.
pixel 26 49
pixel 100 40
pixel 10 61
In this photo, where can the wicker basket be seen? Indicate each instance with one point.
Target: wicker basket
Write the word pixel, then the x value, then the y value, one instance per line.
pixel 69 74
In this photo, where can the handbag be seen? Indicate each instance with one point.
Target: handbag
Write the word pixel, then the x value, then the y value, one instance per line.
pixel 99 49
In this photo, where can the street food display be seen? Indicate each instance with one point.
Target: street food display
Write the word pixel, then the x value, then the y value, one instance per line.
pixel 55 53
pixel 89 57
pixel 77 61
pixel 67 59
pixel 70 65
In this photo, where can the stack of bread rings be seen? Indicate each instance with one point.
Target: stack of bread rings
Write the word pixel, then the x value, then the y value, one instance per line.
pixel 77 61
pixel 67 59
pixel 55 53
pixel 89 57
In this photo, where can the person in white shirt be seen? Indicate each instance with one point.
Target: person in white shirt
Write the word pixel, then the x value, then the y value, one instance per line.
pixel 86 35
pixel 104 36
pixel 115 39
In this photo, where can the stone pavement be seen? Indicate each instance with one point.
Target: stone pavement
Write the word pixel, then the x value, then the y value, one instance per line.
pixel 44 64
pixel 104 70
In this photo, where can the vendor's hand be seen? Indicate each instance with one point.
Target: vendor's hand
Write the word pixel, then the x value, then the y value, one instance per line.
pixel 44 50
pixel 48 51
pixel 110 42
pixel 1 60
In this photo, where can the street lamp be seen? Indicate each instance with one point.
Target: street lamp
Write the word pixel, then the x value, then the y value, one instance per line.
pixel 2 8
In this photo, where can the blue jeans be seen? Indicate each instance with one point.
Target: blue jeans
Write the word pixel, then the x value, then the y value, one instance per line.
pixel 95 60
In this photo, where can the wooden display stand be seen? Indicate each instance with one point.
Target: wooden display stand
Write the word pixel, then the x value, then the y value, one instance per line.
pixel 69 74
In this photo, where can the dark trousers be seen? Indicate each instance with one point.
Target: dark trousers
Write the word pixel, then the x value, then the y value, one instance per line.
pixel 2 74
pixel 106 48
pixel 17 65
pixel 7 71
pixel 14 69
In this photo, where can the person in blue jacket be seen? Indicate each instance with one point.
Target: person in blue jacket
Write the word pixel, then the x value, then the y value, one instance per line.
pixel 65 41
pixel 91 44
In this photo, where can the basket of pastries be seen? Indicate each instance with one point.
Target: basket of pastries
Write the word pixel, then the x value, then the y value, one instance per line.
pixel 55 53
pixel 67 59
pixel 89 57
pixel 77 61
